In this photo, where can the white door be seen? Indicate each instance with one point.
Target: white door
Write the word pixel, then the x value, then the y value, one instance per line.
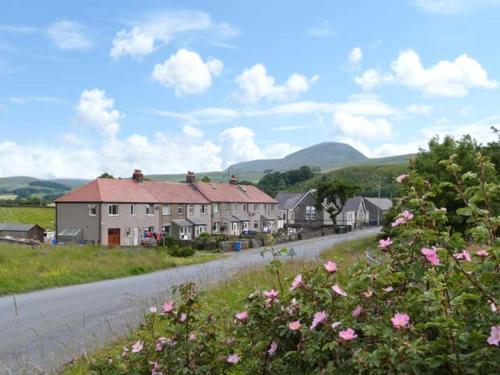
pixel 235 228
pixel 136 236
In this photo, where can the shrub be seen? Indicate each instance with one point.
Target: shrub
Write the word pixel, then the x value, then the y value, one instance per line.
pixel 181 251
pixel 429 305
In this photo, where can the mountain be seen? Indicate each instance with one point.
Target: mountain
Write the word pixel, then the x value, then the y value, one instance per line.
pixel 327 155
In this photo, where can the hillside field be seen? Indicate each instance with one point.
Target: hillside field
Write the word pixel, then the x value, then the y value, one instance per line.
pixel 45 217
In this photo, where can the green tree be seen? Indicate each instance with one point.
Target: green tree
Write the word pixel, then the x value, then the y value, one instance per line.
pixel 334 194
pixel 205 179
pixel 106 175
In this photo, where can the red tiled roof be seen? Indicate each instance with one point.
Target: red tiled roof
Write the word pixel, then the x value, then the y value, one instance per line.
pixel 223 192
pixel 128 191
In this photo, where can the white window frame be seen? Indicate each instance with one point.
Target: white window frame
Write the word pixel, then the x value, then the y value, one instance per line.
pixel 245 225
pixel 216 227
pixel 204 209
pixel 180 209
pixel 166 210
pixel 216 208
pixel 235 207
pixel 310 213
pixel 190 209
pixel 245 207
pixel 234 226
pixel 117 210
pixel 150 209
pixel 228 207
pixel 199 229
pixel 132 209
pixel 92 208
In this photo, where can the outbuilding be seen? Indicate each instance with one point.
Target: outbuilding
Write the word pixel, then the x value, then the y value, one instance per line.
pixel 30 231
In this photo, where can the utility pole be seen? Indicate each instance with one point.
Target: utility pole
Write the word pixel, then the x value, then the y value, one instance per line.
pixel 378 206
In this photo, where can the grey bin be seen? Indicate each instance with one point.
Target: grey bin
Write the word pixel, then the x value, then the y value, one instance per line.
pixel 70 236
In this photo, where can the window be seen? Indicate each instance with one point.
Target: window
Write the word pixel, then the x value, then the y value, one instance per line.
pixel 150 209
pixel 113 210
pixel 149 229
pixel 256 207
pixel 310 213
pixel 235 227
pixel 191 209
pixel 92 210
pixel 204 209
pixel 228 206
pixel 245 207
pixel 235 207
pixel 216 207
pixel 166 230
pixel 245 225
pixel 185 230
pixel 180 209
pixel 216 227
pixel 132 209
pixel 256 225
pixel 166 210
pixel 199 229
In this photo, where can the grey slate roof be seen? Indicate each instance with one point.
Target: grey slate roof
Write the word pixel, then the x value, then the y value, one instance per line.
pixel 352 204
pixel 197 221
pixel 287 200
pixel 17 227
pixel 385 203
pixel 240 218
pixel 182 222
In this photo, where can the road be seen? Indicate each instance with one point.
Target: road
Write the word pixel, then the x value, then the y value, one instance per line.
pixel 41 331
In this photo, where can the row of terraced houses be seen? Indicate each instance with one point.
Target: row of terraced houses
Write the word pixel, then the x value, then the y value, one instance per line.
pixel 120 212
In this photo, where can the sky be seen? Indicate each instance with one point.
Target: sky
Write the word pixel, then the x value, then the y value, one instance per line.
pixel 171 86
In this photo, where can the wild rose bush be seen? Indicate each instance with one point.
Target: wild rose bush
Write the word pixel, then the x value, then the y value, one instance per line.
pixel 430 305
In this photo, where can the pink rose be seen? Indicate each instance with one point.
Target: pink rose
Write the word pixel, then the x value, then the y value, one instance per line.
pixel 494 338
pixel 296 282
pixel 160 343
pixel 335 325
pixel 400 321
pixel 482 253
pixel 242 316
pixel 233 359
pixel 337 289
pixel 348 334
pixel 383 244
pixel 368 293
pixel 330 266
pixel 430 255
pixel 271 294
pixel 168 307
pixel 294 326
pixel 153 310
pixel 272 349
pixel 319 317
pixel 388 289
pixel 401 178
pixel 137 347
pixel 357 311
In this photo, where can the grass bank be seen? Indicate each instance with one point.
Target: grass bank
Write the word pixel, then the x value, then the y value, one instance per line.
pixel 24 269
pixel 229 296
pixel 45 217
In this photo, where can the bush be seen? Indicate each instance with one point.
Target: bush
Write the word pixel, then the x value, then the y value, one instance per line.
pixel 428 306
pixel 181 251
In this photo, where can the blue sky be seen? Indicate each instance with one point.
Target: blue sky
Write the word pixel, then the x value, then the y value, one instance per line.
pixel 169 86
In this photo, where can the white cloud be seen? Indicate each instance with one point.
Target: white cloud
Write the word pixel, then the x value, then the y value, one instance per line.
pixel 450 7
pixel 349 125
pixel 255 85
pixel 446 78
pixel 322 31
pixel 191 131
pixel 355 57
pixel 238 144
pixel 419 109
pixel 187 73
pixel 35 99
pixel 67 35
pixel 96 110
pixel 159 28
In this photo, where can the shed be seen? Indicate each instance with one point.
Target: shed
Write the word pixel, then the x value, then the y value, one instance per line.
pixel 31 231
pixel 70 235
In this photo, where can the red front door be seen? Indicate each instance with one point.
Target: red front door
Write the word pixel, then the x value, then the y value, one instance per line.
pixel 114 237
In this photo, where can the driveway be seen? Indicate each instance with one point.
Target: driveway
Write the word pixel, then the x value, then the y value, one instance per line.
pixel 41 331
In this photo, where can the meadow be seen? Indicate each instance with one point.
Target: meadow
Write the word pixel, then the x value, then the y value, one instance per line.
pixel 230 295
pixel 24 269
pixel 45 217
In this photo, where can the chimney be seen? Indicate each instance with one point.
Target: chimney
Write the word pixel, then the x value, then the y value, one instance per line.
pixel 233 180
pixel 137 176
pixel 190 177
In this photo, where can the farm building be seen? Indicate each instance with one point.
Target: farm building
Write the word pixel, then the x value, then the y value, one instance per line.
pixel 31 231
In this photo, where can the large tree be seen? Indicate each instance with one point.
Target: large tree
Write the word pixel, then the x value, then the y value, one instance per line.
pixel 333 194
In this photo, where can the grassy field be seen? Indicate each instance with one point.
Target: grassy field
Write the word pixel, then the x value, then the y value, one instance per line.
pixel 24 269
pixel 230 295
pixel 45 217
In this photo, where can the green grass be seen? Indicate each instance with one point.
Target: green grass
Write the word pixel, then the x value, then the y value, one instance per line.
pixel 229 296
pixel 24 269
pixel 45 217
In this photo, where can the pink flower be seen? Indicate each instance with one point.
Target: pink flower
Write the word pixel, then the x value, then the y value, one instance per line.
pixel 368 293
pixel 296 282
pixel 242 316
pixel 137 347
pixel 271 294
pixel 399 221
pixel 183 317
pixel 463 255
pixel 337 289
pixel 401 178
pixel 388 289
pixel 494 338
pixel 192 336
pixel 400 321
pixel 272 349
pixel 348 334
pixel 294 326
pixel 330 266
pixel 357 311
pixel 407 215
pixel 156 370
pixel 168 307
pixel 335 325
pixel 431 255
pixel 153 310
pixel 383 244
pixel 319 317
pixel 482 253
pixel 160 343
pixel 493 307
pixel 233 359
pixel 403 218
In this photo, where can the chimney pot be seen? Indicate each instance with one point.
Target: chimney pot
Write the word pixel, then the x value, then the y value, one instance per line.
pixel 190 177
pixel 233 180
pixel 137 176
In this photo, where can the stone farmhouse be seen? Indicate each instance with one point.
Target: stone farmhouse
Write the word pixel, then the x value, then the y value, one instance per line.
pixel 118 212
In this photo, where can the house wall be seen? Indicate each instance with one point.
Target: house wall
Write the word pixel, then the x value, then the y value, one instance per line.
pixel 127 222
pixel 200 217
pixel 253 214
pixel 76 215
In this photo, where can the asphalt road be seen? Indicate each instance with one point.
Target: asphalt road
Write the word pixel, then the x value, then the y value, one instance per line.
pixel 41 331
